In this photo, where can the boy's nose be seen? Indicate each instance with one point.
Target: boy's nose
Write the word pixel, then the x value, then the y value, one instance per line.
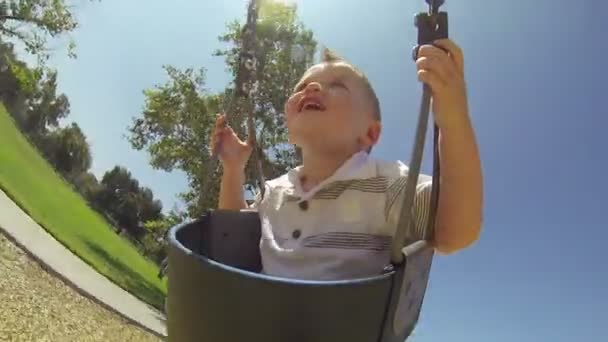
pixel 313 87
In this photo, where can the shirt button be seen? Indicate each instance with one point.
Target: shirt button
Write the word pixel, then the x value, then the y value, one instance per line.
pixel 296 234
pixel 303 205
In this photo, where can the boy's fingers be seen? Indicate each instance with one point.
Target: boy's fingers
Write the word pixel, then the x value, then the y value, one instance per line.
pixel 220 120
pixel 454 50
pixel 433 51
pixel 432 79
pixel 214 141
pixel 217 137
pixel 435 64
pixel 216 134
pixel 428 49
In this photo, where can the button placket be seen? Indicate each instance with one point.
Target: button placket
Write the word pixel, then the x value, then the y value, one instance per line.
pixel 292 220
pixel 296 234
pixel 301 218
pixel 303 205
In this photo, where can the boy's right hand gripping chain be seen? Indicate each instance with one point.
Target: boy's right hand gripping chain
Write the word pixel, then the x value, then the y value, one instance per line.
pixel 432 25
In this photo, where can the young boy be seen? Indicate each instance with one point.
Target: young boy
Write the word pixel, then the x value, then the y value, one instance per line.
pixel 334 216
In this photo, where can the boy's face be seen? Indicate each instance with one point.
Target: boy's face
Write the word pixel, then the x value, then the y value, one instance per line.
pixel 331 110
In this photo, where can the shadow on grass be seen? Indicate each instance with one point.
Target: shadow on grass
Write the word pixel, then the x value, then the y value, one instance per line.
pixel 132 282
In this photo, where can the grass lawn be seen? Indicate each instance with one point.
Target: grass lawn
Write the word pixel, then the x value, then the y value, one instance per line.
pixel 33 184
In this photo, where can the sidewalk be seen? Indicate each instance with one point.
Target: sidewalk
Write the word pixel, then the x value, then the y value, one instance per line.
pixel 59 260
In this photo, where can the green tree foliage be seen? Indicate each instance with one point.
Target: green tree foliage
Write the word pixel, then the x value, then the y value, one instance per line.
pixel 126 201
pixel 30 94
pixel 68 150
pixel 17 81
pixel 45 108
pixel 154 242
pixel 33 22
pixel 87 184
pixel 176 122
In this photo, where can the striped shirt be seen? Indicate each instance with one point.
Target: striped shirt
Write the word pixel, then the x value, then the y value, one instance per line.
pixel 342 228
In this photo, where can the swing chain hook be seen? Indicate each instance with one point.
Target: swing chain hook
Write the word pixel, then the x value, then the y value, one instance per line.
pixel 432 25
pixel 434 5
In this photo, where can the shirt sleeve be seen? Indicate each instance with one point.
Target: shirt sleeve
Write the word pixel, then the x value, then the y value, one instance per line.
pixel 422 209
pixel 419 229
pixel 256 201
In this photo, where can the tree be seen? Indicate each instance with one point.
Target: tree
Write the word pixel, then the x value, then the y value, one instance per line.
pixel 148 207
pixel 176 122
pixel 30 94
pixel 17 81
pixel 68 150
pixel 33 22
pixel 87 184
pixel 155 240
pixel 125 201
pixel 114 197
pixel 45 108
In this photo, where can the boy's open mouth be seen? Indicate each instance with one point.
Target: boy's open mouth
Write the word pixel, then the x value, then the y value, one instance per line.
pixel 310 104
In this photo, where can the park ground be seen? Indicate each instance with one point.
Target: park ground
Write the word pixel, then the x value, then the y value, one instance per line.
pixel 39 307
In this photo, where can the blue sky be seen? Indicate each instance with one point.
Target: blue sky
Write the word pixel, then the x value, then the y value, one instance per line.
pixel 536 80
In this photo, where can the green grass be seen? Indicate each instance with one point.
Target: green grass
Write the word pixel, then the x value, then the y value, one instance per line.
pixel 34 185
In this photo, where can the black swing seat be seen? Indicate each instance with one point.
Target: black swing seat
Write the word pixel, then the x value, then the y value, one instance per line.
pixel 217 294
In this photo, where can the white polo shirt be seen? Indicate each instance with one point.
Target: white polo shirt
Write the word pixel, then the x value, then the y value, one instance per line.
pixel 342 228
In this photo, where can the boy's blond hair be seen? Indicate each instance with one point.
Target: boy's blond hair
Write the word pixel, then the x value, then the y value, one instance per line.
pixel 329 56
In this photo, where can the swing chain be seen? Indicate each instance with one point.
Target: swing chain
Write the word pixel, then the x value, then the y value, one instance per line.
pixel 432 25
pixel 245 85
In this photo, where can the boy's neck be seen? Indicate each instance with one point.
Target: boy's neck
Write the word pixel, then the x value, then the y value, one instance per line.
pixel 318 166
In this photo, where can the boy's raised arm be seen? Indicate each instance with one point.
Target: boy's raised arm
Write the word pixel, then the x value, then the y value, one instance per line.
pixel 231 190
pixel 459 217
pixel 233 153
pixel 459 212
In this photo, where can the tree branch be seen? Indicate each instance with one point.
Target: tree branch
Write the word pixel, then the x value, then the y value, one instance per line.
pixel 22 19
pixel 11 17
pixel 21 37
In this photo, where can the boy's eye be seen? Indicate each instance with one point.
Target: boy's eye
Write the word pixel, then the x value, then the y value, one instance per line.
pixel 301 86
pixel 338 84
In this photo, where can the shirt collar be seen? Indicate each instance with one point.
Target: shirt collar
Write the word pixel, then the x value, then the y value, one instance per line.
pixel 360 165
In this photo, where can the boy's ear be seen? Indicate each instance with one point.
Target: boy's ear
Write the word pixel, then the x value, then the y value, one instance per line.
pixel 373 133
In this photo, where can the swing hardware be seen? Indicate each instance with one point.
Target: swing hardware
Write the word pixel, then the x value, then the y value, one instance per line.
pixel 431 25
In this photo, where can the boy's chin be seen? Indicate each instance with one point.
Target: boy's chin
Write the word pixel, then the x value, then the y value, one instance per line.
pixel 303 141
pixel 301 133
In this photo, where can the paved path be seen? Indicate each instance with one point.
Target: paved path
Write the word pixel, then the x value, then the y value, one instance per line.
pixel 59 260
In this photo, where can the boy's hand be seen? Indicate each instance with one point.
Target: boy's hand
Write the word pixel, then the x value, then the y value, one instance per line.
pixel 231 151
pixel 444 73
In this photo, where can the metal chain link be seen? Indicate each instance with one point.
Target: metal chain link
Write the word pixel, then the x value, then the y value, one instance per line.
pixel 245 86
